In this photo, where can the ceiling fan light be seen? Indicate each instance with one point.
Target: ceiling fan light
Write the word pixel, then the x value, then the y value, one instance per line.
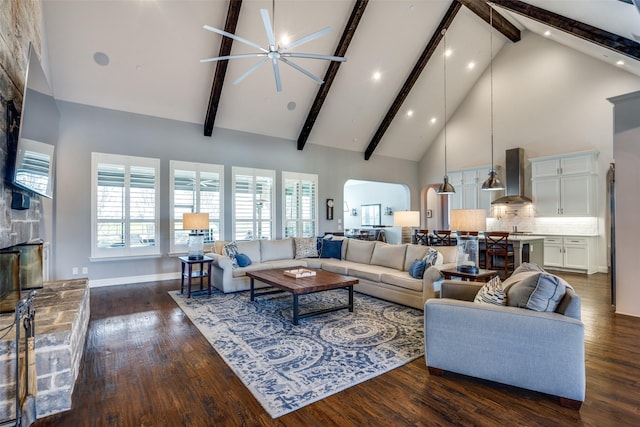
pixel 492 183
pixel 446 187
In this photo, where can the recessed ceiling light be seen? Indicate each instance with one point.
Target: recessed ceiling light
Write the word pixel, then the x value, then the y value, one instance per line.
pixel 547 33
pixel 433 120
pixel 291 106
pixel 471 65
pixel 620 63
pixel 410 113
pixel 101 58
pixel 448 52
pixel 377 75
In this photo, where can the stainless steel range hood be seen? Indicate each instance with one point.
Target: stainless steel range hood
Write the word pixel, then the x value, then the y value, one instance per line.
pixel 514 168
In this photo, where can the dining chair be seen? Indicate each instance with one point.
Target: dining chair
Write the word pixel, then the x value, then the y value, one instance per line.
pixel 498 255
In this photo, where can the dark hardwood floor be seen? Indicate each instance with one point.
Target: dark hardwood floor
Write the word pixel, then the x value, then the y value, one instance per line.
pixel 145 364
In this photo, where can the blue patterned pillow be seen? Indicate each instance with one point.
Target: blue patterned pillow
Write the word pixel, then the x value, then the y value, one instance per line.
pixel 417 268
pixel 231 250
pixel 431 257
pixel 491 293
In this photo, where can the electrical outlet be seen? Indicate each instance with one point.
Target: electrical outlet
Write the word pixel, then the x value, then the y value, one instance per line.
pixel 74 271
pixel 85 270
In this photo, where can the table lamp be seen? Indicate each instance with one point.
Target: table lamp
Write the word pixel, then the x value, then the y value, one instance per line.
pixel 406 220
pixel 196 222
pixel 463 221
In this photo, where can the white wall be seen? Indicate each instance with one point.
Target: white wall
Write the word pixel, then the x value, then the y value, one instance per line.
pixel 395 196
pixel 85 129
pixel 627 182
pixel 548 99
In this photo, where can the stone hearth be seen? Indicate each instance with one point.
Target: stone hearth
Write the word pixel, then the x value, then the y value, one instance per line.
pixel 62 317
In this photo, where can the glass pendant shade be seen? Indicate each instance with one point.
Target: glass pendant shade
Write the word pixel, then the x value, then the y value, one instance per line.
pixel 492 183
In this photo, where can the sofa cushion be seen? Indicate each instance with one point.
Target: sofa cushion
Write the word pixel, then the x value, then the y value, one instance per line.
pixel 360 251
pixel 231 250
pixel 250 248
pixel 388 255
pixel 368 272
pixel 413 253
pixel 402 280
pixel 491 293
pixel 331 249
pixel 417 268
pixel 539 292
pixel 306 247
pixel 272 250
pixel 243 260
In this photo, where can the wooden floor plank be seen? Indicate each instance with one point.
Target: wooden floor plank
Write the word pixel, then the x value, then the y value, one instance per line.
pixel 145 364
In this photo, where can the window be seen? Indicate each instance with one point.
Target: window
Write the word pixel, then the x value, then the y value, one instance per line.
pixel 253 209
pixel 300 204
pixel 125 206
pixel 195 187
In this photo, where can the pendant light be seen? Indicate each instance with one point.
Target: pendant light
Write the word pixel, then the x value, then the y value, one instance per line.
pixel 445 187
pixel 492 183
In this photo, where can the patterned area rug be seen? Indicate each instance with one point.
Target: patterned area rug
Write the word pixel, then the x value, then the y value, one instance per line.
pixel 287 367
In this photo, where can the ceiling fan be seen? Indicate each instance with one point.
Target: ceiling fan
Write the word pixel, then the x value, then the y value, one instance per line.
pixel 274 52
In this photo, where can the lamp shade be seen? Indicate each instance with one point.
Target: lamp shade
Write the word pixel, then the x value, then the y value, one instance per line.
pixel 195 221
pixel 406 218
pixel 468 220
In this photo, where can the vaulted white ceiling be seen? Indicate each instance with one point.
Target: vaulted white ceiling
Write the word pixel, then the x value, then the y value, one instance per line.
pixel 154 48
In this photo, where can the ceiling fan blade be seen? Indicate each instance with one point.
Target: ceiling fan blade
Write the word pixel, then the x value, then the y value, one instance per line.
pixel 233 36
pixel 268 28
pixel 241 55
pixel 302 70
pixel 249 71
pixel 276 73
pixel 314 56
pixel 306 39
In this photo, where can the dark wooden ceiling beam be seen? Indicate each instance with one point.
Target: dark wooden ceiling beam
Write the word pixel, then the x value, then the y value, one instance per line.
pixel 233 13
pixel 332 71
pixel 587 32
pixel 413 76
pixel 500 23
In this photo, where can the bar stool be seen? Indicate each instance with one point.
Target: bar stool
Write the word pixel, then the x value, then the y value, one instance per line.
pixel 421 237
pixel 498 255
pixel 441 238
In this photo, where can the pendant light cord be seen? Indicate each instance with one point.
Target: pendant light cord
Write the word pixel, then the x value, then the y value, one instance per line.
pixel 444 61
pixel 491 78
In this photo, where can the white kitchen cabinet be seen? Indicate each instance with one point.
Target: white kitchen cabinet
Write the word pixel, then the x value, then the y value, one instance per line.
pixel 565 185
pixel 469 193
pixel 570 252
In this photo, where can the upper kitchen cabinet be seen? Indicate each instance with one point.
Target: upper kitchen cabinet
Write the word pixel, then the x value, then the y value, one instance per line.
pixel 565 185
pixel 469 193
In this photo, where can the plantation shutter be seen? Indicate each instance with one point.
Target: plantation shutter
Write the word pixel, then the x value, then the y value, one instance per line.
pixel 253 193
pixel 300 204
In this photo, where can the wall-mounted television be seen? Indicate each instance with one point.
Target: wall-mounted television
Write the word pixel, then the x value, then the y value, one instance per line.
pixel 31 158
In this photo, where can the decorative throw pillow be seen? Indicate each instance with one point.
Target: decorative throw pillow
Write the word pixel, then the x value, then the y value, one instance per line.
pixel 231 250
pixel 491 293
pixel 243 260
pixel 539 292
pixel 331 249
pixel 527 266
pixel 306 247
pixel 431 257
pixel 417 268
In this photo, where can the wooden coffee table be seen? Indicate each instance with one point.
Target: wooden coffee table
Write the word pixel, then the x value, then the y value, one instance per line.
pixel 322 281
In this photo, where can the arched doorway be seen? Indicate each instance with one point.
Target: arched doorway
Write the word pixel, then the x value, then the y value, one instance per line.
pixel 434 208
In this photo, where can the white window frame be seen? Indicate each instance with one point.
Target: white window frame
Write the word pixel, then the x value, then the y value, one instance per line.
pixel 255 173
pixel 127 250
pixel 299 178
pixel 198 168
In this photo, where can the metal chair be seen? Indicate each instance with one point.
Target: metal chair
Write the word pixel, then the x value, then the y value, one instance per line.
pixel 421 237
pixel 441 238
pixel 498 255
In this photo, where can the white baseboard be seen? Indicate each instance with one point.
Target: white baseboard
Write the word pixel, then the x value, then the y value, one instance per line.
pixel 133 279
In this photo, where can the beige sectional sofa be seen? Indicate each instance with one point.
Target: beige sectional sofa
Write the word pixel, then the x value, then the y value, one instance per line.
pixel 382 268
